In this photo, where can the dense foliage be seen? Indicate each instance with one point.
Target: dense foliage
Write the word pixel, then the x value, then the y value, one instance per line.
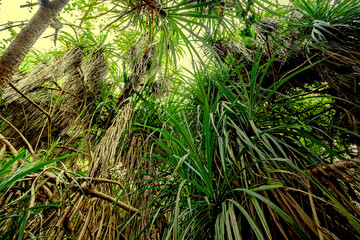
pixel 107 136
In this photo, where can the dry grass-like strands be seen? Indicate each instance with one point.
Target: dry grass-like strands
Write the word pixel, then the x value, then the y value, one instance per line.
pixel 63 102
pixel 104 153
pixel 95 68
pixel 142 56
pixel 103 157
pixel 160 87
pixel 224 49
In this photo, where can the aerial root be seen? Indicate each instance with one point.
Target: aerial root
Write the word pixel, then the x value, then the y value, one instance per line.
pixel 81 207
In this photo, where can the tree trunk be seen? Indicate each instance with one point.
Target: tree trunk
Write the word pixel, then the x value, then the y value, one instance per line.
pixel 16 52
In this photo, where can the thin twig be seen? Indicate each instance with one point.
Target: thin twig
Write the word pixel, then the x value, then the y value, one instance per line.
pixel 25 118
pixel 88 191
pixel 19 25
pixel 300 95
pixel 67 92
pixel 61 90
pixel 118 18
pixel 298 67
pixel 100 180
pixel 53 177
pixel 72 149
pixel 39 138
pixel 12 22
pixel 38 107
pixel 84 18
pixel 29 5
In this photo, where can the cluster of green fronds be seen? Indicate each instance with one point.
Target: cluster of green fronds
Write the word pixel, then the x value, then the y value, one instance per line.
pixel 229 164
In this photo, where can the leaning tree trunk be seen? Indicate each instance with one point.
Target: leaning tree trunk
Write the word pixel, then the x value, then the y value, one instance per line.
pixel 16 52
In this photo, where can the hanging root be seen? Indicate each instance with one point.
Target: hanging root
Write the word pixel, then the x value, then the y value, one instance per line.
pixel 69 203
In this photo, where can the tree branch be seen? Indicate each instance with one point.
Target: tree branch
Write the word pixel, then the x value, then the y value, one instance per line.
pixel 29 5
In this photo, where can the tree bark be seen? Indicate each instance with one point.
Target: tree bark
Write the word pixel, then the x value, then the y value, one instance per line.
pixel 16 52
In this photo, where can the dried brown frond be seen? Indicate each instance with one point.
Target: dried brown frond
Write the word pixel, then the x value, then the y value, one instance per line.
pixel 266 30
pixel 94 68
pixel 160 87
pixel 231 49
pixel 141 55
pixel 69 61
pixel 266 27
pixel 42 73
pixel 342 177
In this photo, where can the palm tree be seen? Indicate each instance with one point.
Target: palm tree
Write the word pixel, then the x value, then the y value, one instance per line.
pixel 14 55
pixel 249 144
